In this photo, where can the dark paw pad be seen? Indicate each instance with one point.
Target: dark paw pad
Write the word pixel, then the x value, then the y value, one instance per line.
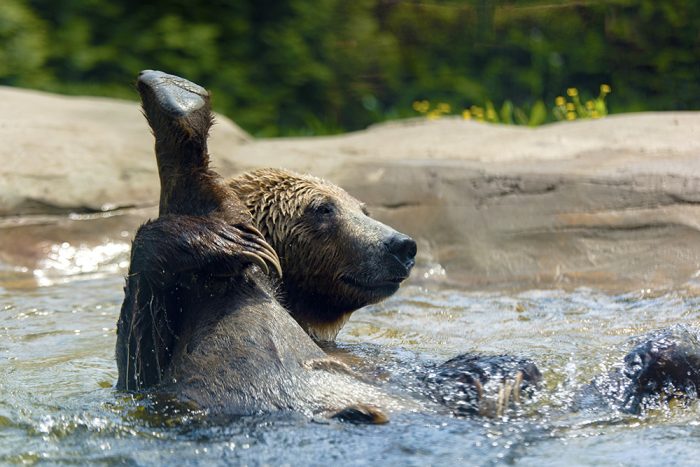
pixel 175 96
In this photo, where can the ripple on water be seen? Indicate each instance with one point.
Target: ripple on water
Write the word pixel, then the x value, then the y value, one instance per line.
pixel 57 404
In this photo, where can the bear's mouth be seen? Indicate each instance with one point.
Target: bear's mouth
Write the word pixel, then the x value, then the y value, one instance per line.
pixel 380 285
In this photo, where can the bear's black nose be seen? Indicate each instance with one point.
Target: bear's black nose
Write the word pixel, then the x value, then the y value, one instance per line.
pixel 403 247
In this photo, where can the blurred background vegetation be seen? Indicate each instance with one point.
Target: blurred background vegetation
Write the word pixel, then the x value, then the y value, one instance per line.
pixel 290 67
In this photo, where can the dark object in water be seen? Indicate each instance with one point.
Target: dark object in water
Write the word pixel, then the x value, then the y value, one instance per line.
pixel 664 366
pixel 482 384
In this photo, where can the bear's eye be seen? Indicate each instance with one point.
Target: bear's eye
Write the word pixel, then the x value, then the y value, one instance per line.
pixel 324 209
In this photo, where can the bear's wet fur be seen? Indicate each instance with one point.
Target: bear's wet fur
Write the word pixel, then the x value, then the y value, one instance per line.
pixel 475 384
pixel 663 365
pixel 201 318
pixel 468 384
pixel 335 258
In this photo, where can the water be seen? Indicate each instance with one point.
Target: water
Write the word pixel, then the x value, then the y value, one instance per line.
pixel 58 406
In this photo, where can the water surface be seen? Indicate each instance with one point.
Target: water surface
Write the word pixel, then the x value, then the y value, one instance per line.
pixel 58 405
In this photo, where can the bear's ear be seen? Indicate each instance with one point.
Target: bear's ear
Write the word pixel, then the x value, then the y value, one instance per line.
pixel 174 96
pixel 365 211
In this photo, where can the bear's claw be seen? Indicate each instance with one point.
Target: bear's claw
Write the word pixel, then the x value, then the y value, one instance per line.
pixel 260 252
pixel 362 414
pixel 480 384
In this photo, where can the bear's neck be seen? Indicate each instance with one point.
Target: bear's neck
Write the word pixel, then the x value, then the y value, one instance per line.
pixel 322 319
pixel 323 331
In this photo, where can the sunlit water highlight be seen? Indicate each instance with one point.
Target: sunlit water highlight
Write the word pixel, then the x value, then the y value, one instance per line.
pixel 57 369
pixel 64 261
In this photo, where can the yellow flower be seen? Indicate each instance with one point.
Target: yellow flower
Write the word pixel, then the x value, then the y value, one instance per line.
pixel 467 115
pixel 433 115
pixel 571 115
pixel 570 107
pixel 589 105
pixel 560 101
pixel 605 89
pixel 421 106
pixel 595 114
pixel 572 92
pixel 443 107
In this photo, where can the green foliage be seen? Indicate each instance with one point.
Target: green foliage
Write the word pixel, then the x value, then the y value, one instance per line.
pixel 24 49
pixel 302 67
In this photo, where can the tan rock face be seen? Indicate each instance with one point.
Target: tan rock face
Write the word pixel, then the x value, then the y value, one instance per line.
pixel 62 154
pixel 611 203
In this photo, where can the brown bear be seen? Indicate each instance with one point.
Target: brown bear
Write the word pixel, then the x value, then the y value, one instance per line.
pixel 200 318
pixel 335 258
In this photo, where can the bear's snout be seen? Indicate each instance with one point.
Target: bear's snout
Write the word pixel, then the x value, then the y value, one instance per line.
pixel 403 248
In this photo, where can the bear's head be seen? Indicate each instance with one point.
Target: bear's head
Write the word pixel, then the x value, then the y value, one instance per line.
pixel 335 258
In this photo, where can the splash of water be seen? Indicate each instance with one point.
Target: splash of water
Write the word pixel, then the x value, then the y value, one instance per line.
pixel 65 260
